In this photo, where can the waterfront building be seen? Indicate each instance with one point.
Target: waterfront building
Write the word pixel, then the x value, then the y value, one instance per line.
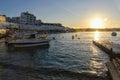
pixel 2 18
pixel 38 22
pixel 16 20
pixel 8 19
pixel 27 18
pixel 53 24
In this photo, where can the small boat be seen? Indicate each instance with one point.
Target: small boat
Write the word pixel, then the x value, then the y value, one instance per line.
pixel 22 43
pixel 114 34
pixel 33 40
pixel 53 38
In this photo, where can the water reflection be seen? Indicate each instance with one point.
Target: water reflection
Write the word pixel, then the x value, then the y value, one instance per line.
pixel 61 54
pixel 96 35
pixel 32 57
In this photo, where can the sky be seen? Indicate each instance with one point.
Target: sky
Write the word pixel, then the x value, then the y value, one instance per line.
pixel 70 13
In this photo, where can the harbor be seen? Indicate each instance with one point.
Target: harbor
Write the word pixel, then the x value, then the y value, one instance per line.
pixel 60 40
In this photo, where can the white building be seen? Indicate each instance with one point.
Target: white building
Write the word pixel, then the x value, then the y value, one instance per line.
pixel 27 18
pixel 38 22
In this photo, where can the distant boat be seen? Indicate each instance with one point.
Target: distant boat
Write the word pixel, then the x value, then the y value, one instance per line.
pixel 113 34
pixel 53 38
pixel 78 38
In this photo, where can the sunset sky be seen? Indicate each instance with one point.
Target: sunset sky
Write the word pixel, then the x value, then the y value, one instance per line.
pixel 71 13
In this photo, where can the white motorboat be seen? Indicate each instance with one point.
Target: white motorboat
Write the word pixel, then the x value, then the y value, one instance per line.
pixel 22 43
pixel 27 40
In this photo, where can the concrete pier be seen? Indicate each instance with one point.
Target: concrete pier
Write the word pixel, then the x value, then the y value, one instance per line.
pixel 113 69
pixel 113 50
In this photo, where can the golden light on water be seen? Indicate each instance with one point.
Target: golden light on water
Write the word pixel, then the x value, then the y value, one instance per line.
pixel 96 35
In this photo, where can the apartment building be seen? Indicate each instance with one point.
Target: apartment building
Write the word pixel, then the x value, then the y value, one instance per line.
pixel 16 20
pixel 27 18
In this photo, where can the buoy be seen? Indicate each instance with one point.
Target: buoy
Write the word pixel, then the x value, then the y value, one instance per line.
pixel 73 37
pixel 76 35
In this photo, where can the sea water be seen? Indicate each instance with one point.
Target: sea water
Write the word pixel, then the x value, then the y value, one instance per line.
pixel 64 59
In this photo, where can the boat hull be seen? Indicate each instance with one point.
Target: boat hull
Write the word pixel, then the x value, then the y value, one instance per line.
pixel 29 43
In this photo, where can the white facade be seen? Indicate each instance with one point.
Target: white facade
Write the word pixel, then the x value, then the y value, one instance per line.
pixel 27 18
pixel 38 22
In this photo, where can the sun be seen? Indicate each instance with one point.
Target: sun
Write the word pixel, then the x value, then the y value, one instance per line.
pixel 97 23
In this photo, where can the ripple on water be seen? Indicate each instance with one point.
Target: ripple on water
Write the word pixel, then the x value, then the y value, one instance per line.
pixel 65 59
